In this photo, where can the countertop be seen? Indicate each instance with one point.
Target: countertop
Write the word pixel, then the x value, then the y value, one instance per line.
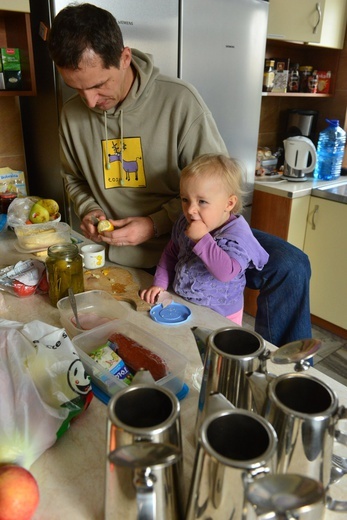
pixel 71 474
pixel 293 190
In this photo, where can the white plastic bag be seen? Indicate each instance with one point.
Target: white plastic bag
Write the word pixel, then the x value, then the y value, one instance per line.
pixel 43 386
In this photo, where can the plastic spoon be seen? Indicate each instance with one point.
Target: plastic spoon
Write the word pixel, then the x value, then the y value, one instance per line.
pixel 74 307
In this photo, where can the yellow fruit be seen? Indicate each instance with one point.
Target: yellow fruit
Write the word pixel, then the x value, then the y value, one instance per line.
pixel 105 225
pixel 38 214
pixel 51 206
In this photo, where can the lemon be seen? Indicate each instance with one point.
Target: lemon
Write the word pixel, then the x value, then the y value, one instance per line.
pixel 105 225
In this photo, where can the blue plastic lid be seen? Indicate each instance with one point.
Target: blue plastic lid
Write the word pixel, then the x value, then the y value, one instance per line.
pixel 333 122
pixel 104 398
pixel 173 314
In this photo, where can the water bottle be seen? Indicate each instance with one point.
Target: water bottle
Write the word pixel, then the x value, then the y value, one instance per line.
pixel 330 151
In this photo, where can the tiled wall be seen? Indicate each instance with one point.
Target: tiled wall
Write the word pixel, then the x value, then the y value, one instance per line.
pixel 274 112
pixel 11 142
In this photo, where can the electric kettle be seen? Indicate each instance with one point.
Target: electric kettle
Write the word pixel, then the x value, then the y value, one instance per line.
pixel 299 158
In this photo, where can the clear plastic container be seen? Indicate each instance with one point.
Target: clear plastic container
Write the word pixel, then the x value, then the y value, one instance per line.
pixel 38 237
pixel 330 151
pixel 94 309
pixel 90 340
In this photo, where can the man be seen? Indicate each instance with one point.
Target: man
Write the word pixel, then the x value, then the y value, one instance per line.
pixel 126 136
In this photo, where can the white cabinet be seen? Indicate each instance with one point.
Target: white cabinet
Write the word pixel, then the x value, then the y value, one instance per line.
pixel 296 20
pixel 326 246
pixel 321 22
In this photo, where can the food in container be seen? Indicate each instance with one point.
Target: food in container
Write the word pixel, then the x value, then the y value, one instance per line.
pixel 37 237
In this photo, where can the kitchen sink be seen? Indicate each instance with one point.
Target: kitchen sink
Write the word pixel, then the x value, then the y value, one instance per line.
pixel 337 192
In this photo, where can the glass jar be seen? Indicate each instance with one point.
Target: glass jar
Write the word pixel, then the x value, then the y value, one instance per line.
pixel 269 75
pixel 64 269
pixel 305 72
pixel 294 79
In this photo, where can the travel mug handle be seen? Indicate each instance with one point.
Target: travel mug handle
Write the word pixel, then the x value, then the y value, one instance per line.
pixel 144 481
pixel 340 437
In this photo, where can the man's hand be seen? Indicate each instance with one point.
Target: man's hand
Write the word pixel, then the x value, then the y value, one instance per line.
pixel 89 225
pixel 196 230
pixel 129 231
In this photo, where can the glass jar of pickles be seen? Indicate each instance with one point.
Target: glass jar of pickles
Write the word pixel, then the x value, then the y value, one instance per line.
pixel 64 269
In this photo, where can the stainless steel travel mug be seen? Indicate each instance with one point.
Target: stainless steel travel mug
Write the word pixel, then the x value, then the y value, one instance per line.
pixel 232 353
pixel 233 446
pixel 144 455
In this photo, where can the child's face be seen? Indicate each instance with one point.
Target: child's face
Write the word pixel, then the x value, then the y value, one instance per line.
pixel 205 198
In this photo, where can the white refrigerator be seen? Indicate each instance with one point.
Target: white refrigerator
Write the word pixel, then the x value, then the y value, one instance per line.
pixel 217 45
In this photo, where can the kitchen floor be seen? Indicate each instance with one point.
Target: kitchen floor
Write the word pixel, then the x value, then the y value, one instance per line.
pixel 331 358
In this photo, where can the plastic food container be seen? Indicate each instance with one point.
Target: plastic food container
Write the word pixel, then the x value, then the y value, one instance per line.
pixel 94 309
pixel 89 341
pixel 37 237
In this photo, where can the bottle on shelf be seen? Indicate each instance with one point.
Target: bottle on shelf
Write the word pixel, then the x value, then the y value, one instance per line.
pixel 330 151
pixel 294 79
pixel 269 75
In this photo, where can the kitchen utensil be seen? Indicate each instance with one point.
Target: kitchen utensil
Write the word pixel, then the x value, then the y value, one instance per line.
pixel 74 307
pixel 336 474
pixel 233 445
pixel 300 157
pixel 171 313
pixel 285 497
pixel 339 462
pixel 144 455
pixel 117 281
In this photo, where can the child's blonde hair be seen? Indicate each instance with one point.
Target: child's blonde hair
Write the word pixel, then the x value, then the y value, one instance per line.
pixel 228 169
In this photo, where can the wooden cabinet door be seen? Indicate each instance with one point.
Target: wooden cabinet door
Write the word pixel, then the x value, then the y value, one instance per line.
pixel 296 20
pixel 326 246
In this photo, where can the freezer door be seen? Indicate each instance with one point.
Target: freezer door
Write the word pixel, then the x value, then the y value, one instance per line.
pixel 150 26
pixel 222 55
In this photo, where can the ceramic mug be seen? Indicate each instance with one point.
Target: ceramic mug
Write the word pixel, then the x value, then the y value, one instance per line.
pixel 93 256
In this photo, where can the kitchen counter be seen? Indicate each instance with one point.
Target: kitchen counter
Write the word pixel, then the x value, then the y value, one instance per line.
pixel 293 190
pixel 71 474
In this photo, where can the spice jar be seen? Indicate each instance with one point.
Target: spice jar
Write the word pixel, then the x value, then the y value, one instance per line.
pixel 269 75
pixel 64 269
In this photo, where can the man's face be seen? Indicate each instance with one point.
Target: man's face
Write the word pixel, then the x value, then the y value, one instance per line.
pixel 101 88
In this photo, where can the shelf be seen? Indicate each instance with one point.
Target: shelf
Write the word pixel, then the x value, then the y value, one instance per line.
pixel 15 31
pixel 295 95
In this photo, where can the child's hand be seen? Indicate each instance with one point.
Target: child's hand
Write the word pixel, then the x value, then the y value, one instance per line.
pixel 196 230
pixel 150 295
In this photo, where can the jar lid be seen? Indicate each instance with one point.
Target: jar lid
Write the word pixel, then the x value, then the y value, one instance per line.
pixel 270 62
pixel 305 68
pixel 62 250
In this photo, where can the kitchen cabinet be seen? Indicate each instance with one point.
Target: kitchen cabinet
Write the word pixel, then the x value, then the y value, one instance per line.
pixel 296 20
pixel 15 31
pixel 326 245
pixel 322 23
pixel 281 216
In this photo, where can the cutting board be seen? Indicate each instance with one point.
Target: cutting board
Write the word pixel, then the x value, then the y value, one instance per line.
pixel 117 281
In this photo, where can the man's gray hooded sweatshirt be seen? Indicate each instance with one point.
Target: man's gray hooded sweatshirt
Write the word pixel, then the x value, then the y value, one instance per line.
pixel 127 160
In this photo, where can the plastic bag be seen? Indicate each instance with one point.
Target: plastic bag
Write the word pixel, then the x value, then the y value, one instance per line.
pixel 24 278
pixel 43 386
pixel 19 210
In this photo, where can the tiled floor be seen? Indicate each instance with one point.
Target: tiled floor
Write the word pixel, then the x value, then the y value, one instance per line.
pixel 331 357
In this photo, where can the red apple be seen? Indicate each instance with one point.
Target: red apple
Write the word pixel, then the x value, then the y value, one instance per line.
pixel 19 493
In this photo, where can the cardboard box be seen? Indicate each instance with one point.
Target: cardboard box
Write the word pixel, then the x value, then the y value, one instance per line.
pixel 281 75
pixel 12 181
pixel 324 78
pixel 10 58
pixel 13 79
